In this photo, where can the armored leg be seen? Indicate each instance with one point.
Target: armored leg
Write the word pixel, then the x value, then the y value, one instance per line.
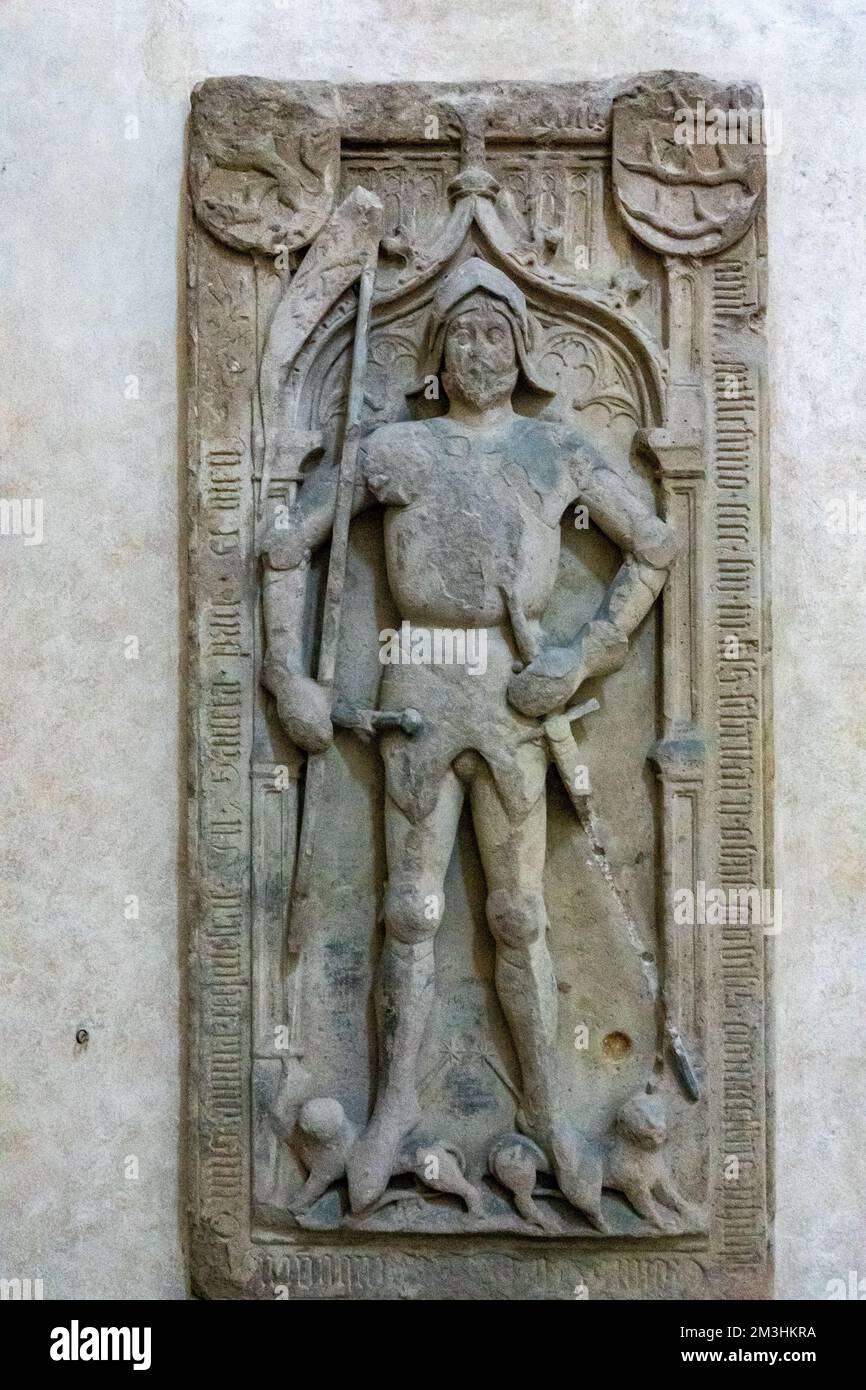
pixel 513 852
pixel 418 857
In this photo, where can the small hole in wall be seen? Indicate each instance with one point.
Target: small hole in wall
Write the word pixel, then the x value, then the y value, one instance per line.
pixel 616 1046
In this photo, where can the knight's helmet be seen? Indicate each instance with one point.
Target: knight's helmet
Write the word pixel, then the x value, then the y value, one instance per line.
pixel 471 277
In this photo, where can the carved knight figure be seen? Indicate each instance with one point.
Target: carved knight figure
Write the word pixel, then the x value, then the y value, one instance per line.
pixel 472 502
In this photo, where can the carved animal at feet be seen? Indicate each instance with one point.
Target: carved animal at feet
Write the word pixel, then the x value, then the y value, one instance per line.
pixel 515 1161
pixel 325 1136
pixel 635 1167
pixel 631 1163
pixel 441 1167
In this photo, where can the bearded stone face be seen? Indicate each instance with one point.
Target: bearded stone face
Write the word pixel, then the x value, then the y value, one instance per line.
pixel 480 355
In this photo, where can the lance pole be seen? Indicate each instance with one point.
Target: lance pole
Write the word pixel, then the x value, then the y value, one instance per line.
pixel 314 781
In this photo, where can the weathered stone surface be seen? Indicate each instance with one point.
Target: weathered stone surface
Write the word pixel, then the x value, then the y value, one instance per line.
pixel 460 970
pixel 93 759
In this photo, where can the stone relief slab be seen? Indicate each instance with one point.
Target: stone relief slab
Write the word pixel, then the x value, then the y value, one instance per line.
pixel 479 829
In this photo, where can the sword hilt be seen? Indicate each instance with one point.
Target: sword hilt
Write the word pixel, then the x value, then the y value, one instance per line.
pixel 377 721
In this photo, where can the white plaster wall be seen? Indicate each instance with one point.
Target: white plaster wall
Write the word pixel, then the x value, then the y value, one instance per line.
pixel 89 741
